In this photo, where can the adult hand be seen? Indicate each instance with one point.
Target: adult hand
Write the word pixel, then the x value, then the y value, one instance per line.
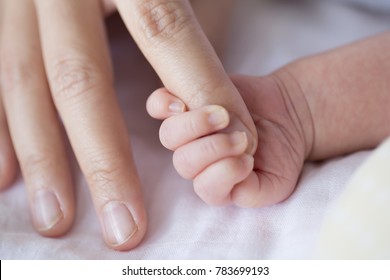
pixel 55 61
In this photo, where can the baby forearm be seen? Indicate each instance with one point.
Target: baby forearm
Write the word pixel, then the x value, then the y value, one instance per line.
pixel 348 95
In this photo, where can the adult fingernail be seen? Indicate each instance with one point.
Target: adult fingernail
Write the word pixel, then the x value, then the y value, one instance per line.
pixel 118 222
pixel 47 209
pixel 177 107
pixel 238 139
pixel 218 117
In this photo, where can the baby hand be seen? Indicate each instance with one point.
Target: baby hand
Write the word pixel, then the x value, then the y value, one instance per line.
pixel 216 160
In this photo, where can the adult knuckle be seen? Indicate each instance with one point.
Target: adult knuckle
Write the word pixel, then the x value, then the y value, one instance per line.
pixel 105 173
pixel 14 72
pixel 73 75
pixel 104 176
pixel 37 164
pixel 162 19
pixel 204 91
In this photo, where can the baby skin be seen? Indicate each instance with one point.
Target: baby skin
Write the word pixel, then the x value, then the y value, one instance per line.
pixel 312 109
pixel 217 161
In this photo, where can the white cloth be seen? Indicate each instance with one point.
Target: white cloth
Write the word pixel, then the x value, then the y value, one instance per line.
pixel 264 37
pixel 377 5
pixel 358 225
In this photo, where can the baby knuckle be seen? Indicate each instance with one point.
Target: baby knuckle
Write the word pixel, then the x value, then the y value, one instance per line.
pixel 213 146
pixel 238 168
pixel 247 201
pixel 72 76
pixel 165 136
pixel 203 190
pixel 183 164
pixel 162 19
pixel 154 107
pixel 192 127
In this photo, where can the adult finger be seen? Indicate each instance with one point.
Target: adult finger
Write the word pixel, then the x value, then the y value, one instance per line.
pixel 33 122
pixel 170 37
pixel 8 165
pixel 79 71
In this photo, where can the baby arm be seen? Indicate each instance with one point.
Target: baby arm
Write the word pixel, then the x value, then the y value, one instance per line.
pixel 314 108
pixel 348 94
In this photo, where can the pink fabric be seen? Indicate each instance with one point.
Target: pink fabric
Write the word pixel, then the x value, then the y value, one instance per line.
pixel 181 226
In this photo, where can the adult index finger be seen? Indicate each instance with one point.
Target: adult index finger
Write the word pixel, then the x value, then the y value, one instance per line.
pixel 172 40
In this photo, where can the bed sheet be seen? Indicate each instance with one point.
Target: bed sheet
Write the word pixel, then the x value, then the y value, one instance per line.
pixel 264 36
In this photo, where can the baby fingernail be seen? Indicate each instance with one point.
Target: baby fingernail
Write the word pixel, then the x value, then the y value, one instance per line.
pixel 47 209
pixel 218 117
pixel 118 223
pixel 238 139
pixel 177 107
pixel 248 160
